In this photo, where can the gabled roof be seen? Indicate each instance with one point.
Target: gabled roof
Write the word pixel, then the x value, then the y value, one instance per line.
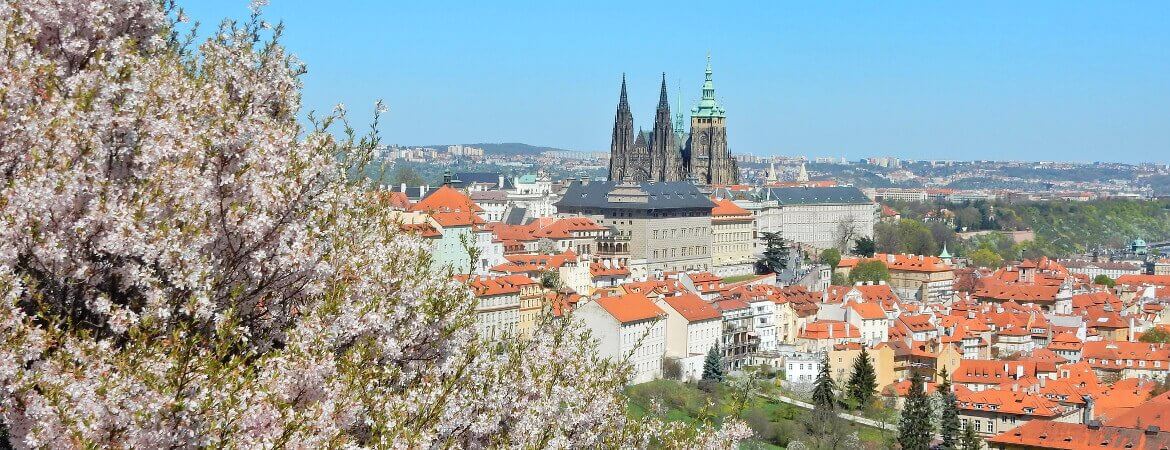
pixel 692 308
pixel 725 208
pixel 630 308
pixel 445 198
pixel 868 311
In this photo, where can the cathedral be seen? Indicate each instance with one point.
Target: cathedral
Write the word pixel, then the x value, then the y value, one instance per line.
pixel 668 152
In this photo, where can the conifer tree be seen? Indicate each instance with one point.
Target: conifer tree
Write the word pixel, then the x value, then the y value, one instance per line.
pixel 944 384
pixel 970 439
pixel 776 254
pixel 713 365
pixel 862 382
pixel 948 425
pixel 823 396
pixel 914 430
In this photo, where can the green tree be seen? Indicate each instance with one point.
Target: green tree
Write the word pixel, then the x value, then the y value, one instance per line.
pixel 914 429
pixel 862 382
pixel 949 426
pixel 971 440
pixel 864 246
pixel 406 175
pixel 869 271
pixel 1156 335
pixel 837 279
pixel 915 237
pixel 944 384
pixel 823 396
pixel 713 365
pixel 1104 280
pixel 776 253
pixel 831 256
pixel 985 257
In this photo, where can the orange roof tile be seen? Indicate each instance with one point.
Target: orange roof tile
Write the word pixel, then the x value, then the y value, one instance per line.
pixel 630 308
pixel 692 308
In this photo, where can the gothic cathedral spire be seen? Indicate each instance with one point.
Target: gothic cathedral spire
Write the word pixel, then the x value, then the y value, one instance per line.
pixel 623 137
pixel 666 161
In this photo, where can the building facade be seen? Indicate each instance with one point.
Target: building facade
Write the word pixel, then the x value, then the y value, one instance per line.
pixel 666 224
pixel 820 217
pixel 732 239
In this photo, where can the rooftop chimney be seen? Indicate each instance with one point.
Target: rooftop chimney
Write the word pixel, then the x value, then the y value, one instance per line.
pixel 1087 415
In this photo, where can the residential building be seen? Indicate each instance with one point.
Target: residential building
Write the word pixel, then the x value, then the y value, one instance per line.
pixel 498 301
pixel 802 368
pixel 732 239
pixel 630 326
pixel 693 327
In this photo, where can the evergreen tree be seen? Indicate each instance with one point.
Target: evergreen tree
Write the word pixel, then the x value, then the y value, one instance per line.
pixel 862 382
pixel 971 440
pixel 823 396
pixel 914 430
pixel 944 384
pixel 776 256
pixel 864 247
pixel 713 365
pixel 949 422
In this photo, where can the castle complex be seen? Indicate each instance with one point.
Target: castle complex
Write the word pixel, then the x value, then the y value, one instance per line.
pixel 667 152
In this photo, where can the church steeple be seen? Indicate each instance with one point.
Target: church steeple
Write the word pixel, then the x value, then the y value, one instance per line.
pixel 623 137
pixel 665 159
pixel 708 107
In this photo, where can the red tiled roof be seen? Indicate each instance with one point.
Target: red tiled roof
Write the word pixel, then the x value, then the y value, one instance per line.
pixel 692 308
pixel 1157 280
pixel 725 208
pixel 445 198
pixel 630 308
pixel 868 311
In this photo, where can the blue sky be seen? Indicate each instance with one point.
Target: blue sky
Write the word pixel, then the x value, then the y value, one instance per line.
pixel 1034 80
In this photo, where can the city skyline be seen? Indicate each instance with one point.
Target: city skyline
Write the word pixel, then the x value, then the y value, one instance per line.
pixel 1042 81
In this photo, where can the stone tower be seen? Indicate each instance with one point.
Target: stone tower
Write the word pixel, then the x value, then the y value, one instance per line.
pixel 711 161
pixel 623 137
pixel 665 159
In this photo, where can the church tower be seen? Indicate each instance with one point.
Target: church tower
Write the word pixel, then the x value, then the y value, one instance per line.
pixel 622 141
pixel 711 161
pixel 666 161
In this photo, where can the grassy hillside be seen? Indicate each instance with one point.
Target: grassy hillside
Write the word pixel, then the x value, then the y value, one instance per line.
pixel 775 424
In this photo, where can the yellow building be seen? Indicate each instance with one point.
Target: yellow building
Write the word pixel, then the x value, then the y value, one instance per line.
pixel 841 359
pixel 732 234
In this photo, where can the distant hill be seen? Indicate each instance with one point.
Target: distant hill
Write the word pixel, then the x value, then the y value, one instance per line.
pixel 507 148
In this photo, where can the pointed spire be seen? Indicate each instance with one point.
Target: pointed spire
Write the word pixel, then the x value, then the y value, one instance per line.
pixel 708 72
pixel 623 101
pixel 663 102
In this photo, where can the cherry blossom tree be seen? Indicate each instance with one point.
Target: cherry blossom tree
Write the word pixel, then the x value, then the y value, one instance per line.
pixel 183 264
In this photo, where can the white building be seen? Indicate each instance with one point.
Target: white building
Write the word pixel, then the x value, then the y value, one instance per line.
pixel 693 327
pixel 763 312
pixel 802 368
pixel 820 217
pixel 871 320
pixel 497 307
pixel 630 326
pixel 534 194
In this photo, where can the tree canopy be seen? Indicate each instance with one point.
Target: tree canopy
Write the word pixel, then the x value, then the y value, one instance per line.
pixel 184 264
pixel 873 271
